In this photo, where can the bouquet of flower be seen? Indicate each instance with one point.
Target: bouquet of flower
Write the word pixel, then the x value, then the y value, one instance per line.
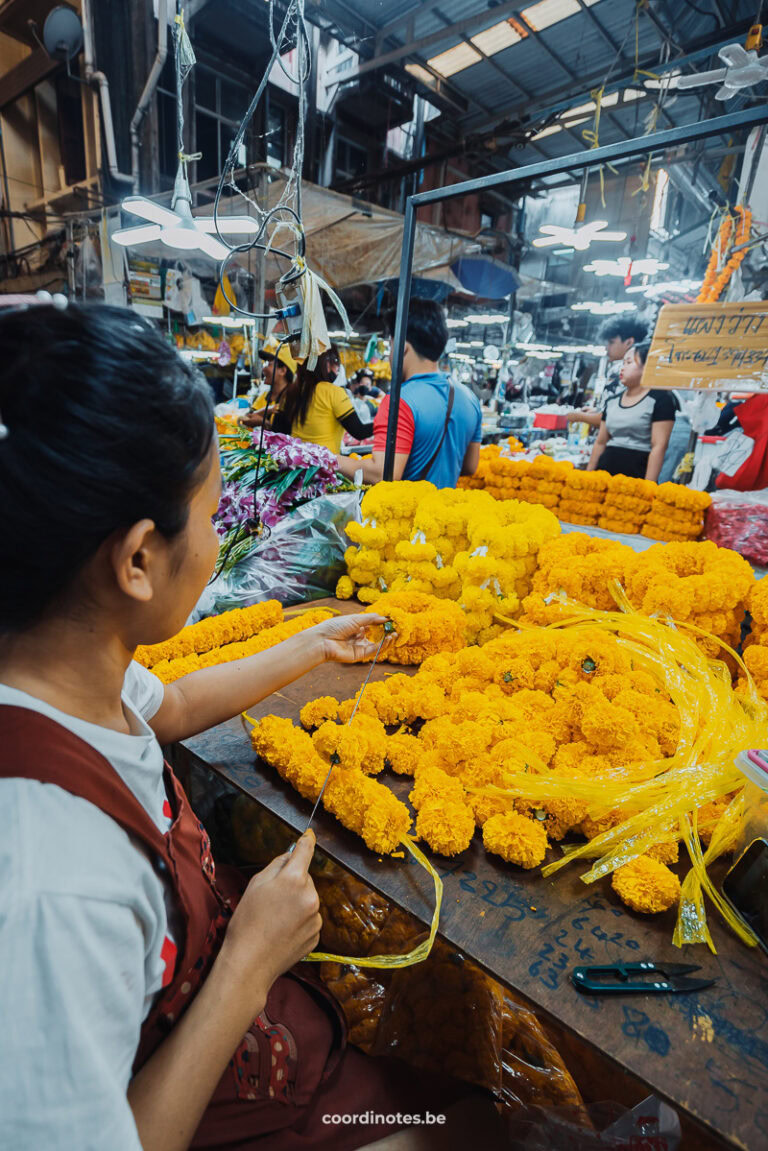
pixel 260 488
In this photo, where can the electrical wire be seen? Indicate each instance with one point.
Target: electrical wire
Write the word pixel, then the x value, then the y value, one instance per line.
pixel 293 23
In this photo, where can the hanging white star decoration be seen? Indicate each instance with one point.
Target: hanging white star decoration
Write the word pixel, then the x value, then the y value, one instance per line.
pixel 578 238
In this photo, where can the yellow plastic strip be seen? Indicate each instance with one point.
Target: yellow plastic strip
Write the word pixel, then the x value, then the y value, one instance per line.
pixel 420 953
pixel 302 609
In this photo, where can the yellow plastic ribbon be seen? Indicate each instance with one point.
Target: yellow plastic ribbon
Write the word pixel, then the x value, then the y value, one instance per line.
pixel 658 796
pixel 419 953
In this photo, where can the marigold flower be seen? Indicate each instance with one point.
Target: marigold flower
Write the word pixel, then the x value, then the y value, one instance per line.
pixel 361 743
pixel 403 753
pixel 646 885
pixel 447 826
pixel 345 588
pixel 317 711
pixel 516 839
pixel 433 783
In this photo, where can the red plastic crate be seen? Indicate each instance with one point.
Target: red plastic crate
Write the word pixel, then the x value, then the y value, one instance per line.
pixel 550 420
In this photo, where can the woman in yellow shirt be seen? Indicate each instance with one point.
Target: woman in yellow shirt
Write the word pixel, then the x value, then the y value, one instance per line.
pixel 310 406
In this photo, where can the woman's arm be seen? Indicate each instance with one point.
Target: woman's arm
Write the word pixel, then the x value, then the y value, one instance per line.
pixel 204 698
pixel 276 924
pixel 591 416
pixel 599 446
pixel 661 430
pixel 354 425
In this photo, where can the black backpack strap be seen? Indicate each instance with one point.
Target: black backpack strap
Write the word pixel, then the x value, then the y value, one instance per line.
pixel 436 453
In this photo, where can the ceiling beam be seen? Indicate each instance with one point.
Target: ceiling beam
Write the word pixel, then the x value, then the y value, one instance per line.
pixel 704 47
pixel 459 29
pixel 404 20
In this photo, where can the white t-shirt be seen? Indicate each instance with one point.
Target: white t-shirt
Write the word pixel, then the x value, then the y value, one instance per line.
pixel 84 920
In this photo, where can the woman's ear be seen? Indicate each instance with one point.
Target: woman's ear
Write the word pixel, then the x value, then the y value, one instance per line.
pixel 131 557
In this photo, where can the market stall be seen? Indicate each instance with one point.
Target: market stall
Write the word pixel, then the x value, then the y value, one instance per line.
pixel 692 1049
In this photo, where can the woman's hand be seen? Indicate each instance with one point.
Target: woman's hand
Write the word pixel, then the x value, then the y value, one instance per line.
pixel 276 923
pixel 344 637
pixel 252 420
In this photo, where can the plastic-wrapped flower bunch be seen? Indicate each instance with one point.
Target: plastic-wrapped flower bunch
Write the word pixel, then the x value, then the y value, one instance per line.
pixel 457 545
pixel 505 476
pixel 677 513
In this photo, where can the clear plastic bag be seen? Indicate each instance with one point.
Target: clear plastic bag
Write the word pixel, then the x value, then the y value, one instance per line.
pixel 739 520
pixel 650 1126
pixel 753 821
pixel 301 559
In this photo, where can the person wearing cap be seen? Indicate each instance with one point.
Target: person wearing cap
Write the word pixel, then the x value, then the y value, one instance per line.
pixel 278 373
pixel 310 406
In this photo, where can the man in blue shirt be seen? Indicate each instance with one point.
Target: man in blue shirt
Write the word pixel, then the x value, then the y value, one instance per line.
pixel 439 426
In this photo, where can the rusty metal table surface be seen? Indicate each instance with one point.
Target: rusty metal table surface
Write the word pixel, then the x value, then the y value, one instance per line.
pixel 706 1052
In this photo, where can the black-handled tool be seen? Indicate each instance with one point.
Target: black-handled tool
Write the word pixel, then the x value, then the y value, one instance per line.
pixel 643 978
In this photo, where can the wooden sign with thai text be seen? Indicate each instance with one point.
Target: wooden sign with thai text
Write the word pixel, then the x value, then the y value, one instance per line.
pixel 723 346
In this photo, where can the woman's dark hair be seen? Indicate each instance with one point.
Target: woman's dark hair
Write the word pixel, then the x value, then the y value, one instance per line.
pixel 426 331
pixel 641 351
pixel 107 425
pixel 299 394
pixel 624 328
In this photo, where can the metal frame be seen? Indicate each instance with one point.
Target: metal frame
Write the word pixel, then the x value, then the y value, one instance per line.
pixel 592 158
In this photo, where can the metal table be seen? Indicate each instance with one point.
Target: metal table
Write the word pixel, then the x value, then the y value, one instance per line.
pixel 706 1053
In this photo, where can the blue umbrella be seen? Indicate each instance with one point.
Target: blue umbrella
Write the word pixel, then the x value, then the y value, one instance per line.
pixel 486 277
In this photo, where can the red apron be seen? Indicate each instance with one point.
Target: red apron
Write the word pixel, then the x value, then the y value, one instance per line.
pixel 293 1066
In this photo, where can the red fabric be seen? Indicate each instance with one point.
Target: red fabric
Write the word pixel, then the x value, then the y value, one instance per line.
pixel 406 428
pixel 293 1065
pixel 753 473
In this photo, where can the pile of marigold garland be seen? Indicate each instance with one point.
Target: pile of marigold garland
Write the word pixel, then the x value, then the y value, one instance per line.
pixel 610 729
pixel 617 503
pixel 454 545
pixel 223 638
pixel 701 586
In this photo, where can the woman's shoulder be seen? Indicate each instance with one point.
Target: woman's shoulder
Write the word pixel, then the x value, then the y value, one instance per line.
pixel 55 843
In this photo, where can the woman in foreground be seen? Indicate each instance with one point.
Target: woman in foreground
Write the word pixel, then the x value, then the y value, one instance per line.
pixel 144 1003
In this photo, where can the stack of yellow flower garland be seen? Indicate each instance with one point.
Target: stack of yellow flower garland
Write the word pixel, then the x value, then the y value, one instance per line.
pixel 696 584
pixel 627 503
pixel 504 475
pixel 491 452
pixel 617 503
pixel 543 483
pixel 612 727
pixel 677 513
pixel 582 497
pixel 456 545
pixel 223 638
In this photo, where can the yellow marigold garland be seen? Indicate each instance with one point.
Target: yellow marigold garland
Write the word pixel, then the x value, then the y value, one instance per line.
pixel 170 670
pixel 229 627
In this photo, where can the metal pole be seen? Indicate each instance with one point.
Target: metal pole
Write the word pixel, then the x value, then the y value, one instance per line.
pixel 398 339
